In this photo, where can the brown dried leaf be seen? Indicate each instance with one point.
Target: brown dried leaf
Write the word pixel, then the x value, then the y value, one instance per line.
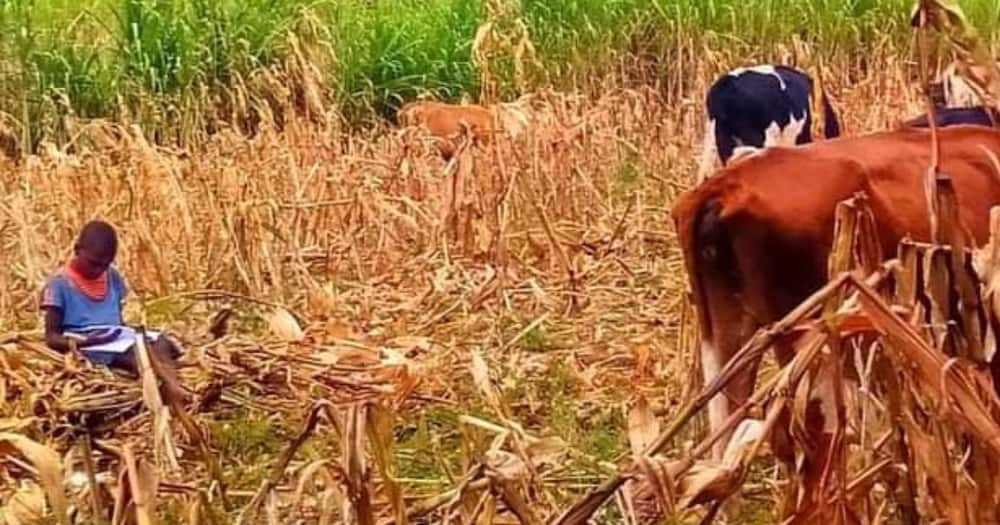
pixel 643 427
pixel 381 439
pixel 481 376
pixel 408 342
pixel 49 466
pixel 163 441
pixel 908 350
pixel 25 507
pixel 406 378
pixel 986 263
pixel 940 476
pixel 505 466
pixel 546 451
pixel 355 466
pixel 642 354
pixel 284 325
pixel 143 485
pixel 654 490
pixel 347 355
pixel 799 424
pixel 308 476
pixel 338 330
pixel 516 502
pixel 708 482
pixel 705 481
pixel 11 424
pixel 332 503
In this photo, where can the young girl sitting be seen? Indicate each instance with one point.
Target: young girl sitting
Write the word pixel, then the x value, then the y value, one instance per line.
pixel 84 299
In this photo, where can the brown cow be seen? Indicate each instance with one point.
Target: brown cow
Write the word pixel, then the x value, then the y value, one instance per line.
pixel 448 122
pixel 756 237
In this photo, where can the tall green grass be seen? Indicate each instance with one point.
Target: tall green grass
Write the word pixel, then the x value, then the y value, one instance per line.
pixel 151 61
pixel 388 52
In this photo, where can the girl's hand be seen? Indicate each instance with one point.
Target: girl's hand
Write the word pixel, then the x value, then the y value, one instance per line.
pixel 102 337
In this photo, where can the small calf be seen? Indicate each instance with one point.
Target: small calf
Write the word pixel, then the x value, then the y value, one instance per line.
pixel 448 122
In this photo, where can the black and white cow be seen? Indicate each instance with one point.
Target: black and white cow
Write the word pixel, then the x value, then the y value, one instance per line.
pixel 943 117
pixel 757 107
pixel 958 92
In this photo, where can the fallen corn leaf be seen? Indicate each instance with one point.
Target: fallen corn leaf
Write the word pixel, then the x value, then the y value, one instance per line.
pixel 49 466
pixel 284 325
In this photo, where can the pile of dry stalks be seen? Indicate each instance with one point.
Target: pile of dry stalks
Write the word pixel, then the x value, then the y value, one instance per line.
pixel 417 283
pixel 121 445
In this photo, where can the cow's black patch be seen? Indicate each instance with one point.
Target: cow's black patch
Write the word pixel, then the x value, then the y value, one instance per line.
pixel 743 104
pixel 943 117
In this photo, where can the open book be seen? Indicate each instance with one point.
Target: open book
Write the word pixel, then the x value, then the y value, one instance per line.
pixel 121 344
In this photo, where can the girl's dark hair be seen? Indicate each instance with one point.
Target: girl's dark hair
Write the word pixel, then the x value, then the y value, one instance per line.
pixel 98 237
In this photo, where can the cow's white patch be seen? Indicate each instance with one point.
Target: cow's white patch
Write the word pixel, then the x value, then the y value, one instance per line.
pixel 958 93
pixel 718 406
pixel 709 152
pixel 776 135
pixel 765 69
pixel 742 152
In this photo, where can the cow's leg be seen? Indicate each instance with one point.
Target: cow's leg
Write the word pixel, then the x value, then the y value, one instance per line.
pixel 728 399
pixel 725 142
pixel 781 439
pixel 718 406
pixel 728 448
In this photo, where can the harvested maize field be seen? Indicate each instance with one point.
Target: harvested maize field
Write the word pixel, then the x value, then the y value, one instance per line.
pixel 373 332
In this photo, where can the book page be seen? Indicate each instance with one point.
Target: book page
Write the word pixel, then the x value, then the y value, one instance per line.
pixel 124 341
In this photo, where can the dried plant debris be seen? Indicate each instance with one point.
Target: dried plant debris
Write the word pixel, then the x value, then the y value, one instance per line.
pixel 372 335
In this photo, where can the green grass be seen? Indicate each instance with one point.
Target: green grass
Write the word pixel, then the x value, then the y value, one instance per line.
pixel 388 52
pixel 428 448
pixel 249 443
pixel 535 339
pixel 152 61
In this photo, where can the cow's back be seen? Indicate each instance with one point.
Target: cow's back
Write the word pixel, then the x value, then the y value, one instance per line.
pixel 786 199
pixel 897 165
pixel 447 120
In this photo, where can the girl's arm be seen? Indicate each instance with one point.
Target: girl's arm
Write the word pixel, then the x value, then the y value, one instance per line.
pixel 55 339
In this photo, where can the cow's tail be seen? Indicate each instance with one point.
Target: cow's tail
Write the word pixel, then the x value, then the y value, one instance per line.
pixel 699 227
pixel 704 233
pixel 831 126
pixel 709 152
